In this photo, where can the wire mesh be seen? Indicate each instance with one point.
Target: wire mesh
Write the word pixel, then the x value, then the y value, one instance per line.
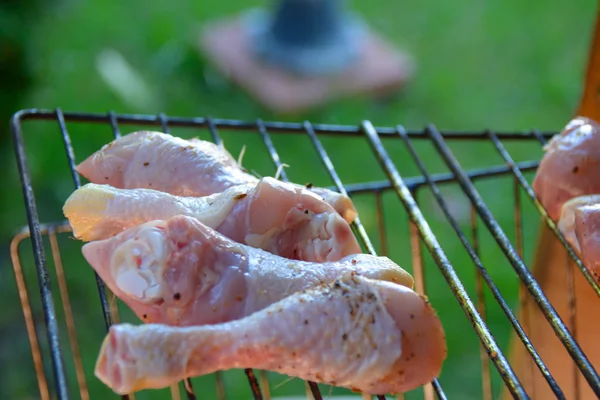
pixel 405 189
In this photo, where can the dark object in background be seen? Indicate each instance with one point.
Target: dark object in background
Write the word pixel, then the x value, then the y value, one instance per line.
pixel 306 37
pixel 16 72
pixel 16 78
pixel 16 75
pixel 304 54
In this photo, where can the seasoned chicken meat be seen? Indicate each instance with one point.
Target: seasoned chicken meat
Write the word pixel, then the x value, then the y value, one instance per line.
pixel 370 336
pixel 181 272
pixel 155 160
pixel 580 224
pixel 271 215
pixel 570 166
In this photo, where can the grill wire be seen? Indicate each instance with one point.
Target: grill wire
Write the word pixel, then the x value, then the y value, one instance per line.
pixel 406 190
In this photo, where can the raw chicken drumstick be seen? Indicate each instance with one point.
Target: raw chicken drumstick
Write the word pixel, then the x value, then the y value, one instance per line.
pixel 580 224
pixel 156 160
pixel 370 336
pixel 271 215
pixel 570 167
pixel 181 272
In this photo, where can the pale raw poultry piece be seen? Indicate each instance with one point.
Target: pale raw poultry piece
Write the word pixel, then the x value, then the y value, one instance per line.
pixel 580 224
pixel 181 272
pixel 341 203
pixel 271 215
pixel 570 166
pixel 366 335
pixel 156 160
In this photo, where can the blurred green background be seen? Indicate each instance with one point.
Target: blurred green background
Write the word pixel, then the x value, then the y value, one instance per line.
pixel 503 65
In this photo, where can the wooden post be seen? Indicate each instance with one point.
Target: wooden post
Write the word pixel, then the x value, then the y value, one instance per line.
pixel 566 288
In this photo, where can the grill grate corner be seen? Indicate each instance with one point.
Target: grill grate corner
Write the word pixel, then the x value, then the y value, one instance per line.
pixel 404 189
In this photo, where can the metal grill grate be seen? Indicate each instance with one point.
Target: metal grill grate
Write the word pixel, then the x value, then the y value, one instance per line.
pixel 406 190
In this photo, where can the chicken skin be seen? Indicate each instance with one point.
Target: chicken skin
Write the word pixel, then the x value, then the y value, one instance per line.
pixel 181 272
pixel 159 161
pixel 370 336
pixel 569 166
pixel 580 224
pixel 278 217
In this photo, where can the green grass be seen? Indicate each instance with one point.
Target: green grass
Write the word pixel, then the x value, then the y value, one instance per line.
pixel 504 65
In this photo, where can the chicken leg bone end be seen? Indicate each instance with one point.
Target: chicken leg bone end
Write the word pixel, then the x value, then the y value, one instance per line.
pixel 369 336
